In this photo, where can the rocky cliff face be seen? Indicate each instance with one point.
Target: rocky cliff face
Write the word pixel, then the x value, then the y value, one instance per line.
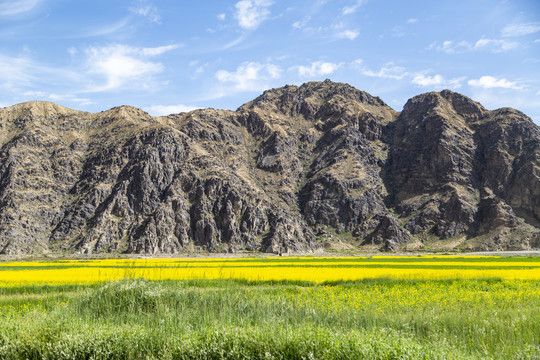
pixel 296 169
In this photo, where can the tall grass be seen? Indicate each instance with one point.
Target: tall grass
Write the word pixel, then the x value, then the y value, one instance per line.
pixel 232 319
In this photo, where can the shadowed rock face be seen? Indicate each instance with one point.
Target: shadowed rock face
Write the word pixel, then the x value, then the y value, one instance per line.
pixel 289 171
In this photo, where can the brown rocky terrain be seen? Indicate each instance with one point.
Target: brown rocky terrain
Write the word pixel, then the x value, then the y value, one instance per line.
pixel 296 169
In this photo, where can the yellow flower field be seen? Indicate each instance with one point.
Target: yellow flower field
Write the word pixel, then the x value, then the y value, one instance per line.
pixel 262 269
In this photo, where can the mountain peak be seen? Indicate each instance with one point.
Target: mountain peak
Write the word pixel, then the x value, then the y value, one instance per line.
pixel 445 102
pixel 38 109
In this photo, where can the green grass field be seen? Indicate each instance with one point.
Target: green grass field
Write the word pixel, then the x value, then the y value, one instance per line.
pixel 380 318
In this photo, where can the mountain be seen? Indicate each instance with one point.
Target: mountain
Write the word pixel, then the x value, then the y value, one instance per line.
pixel 296 169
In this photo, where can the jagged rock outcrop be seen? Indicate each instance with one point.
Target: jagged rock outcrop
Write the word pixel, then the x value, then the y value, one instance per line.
pixel 296 168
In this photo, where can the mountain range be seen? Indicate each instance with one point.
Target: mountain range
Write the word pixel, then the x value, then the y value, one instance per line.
pixel 300 168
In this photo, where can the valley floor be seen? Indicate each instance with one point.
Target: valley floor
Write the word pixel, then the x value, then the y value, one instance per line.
pixel 376 317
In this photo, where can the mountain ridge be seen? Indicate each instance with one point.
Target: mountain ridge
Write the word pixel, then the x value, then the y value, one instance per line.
pixel 296 169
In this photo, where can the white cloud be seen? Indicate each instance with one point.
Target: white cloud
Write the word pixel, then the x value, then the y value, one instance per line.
pixel 144 9
pixel 352 9
pixel 41 95
pixel 251 13
pixel 159 110
pixel 349 34
pixel 121 65
pixel 388 71
pixel 436 81
pixel 10 8
pixel 412 21
pixel 250 76
pixel 317 68
pixel 424 80
pixel 395 72
pixel 514 30
pixel 488 82
pixel 451 47
pixel 221 17
pixel 496 45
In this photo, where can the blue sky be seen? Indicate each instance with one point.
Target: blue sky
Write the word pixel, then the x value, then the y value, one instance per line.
pixel 170 56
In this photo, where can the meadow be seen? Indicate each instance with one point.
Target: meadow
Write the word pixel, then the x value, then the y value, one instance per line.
pixel 379 307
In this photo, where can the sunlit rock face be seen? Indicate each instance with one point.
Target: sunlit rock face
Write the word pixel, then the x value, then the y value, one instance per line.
pixel 295 170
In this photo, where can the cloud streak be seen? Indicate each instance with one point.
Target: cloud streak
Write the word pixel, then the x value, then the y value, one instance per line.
pixel 493 45
pixel 348 10
pixel 388 71
pixel 514 30
pixel 11 8
pixel 23 72
pixel 40 95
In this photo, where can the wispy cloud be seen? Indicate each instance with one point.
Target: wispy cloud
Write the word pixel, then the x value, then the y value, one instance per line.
pixel 488 82
pixel 317 68
pixel 396 72
pixel 349 34
pixel 388 70
pixel 521 29
pixel 154 51
pixel 159 110
pixel 301 24
pixel 493 45
pixel 117 66
pixel 347 10
pixel 251 13
pixel 235 42
pixel 496 45
pixel 452 47
pixel 41 95
pixel 23 72
pixel 412 21
pixel 106 29
pixel 16 71
pixel 10 8
pixel 250 76
pixel 146 9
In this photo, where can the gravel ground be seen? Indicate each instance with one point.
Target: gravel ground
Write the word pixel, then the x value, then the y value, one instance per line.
pixel 506 253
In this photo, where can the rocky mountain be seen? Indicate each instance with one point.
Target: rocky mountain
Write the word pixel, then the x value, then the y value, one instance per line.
pixel 296 169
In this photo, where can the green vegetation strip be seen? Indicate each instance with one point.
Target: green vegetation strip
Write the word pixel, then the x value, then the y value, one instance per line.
pixel 238 319
pixel 262 267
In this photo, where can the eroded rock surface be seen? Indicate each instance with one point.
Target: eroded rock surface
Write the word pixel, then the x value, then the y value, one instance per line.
pixel 294 169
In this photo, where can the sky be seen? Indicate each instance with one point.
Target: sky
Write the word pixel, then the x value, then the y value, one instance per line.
pixel 171 56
